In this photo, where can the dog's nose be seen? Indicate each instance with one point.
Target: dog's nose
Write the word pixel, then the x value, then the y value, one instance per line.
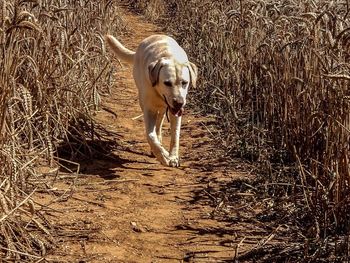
pixel 178 103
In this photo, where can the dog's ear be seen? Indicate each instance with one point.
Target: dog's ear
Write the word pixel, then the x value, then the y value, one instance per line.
pixel 153 71
pixel 193 73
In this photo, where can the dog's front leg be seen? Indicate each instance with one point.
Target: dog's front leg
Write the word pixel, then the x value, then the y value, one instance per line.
pixel 159 124
pixel 175 126
pixel 158 150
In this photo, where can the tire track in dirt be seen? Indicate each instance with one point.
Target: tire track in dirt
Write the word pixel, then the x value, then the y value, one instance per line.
pixel 128 207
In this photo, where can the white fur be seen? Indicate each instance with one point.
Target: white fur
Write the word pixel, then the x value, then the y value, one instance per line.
pixel 162 74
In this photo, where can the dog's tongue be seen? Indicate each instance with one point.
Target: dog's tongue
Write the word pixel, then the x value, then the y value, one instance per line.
pixel 178 113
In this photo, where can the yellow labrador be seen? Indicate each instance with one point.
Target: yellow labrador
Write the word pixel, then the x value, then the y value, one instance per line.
pixel 162 74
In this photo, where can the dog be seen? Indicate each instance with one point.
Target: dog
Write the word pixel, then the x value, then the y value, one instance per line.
pixel 163 75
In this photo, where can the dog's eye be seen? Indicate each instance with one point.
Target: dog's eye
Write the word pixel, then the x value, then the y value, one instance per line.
pixel 167 83
pixel 184 83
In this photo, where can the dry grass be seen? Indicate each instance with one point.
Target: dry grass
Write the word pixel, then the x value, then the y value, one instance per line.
pixel 53 68
pixel 153 10
pixel 277 75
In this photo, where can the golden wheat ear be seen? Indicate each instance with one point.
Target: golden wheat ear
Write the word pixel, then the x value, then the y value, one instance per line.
pixel 193 74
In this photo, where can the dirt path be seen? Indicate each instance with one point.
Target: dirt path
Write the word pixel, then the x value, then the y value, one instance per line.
pixel 129 208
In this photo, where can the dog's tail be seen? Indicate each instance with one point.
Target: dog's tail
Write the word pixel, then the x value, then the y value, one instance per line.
pixel 122 52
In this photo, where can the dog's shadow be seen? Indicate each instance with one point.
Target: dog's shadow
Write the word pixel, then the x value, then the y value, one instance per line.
pixel 95 153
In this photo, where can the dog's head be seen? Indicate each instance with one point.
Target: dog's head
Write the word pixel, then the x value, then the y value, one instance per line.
pixel 171 80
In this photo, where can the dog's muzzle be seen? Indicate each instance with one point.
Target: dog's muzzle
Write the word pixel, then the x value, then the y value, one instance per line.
pixel 177 109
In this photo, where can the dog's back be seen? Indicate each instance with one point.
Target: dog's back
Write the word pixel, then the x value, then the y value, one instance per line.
pixel 160 46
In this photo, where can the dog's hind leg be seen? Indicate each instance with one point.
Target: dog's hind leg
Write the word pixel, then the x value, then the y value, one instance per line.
pixel 175 127
pixel 158 150
pixel 159 124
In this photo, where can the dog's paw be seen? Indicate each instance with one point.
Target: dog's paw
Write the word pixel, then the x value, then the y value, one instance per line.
pixel 164 158
pixel 174 161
